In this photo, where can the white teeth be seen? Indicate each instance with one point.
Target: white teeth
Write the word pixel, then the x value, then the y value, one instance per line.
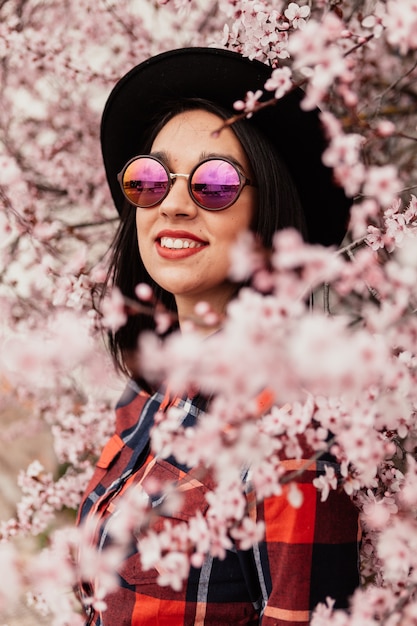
pixel 178 244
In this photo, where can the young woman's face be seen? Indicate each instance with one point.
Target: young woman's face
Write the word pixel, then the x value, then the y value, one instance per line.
pixel 186 248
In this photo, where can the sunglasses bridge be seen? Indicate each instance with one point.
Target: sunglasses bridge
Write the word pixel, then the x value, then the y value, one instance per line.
pixel 173 177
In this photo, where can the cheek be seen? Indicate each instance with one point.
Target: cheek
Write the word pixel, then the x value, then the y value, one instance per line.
pixel 243 220
pixel 246 209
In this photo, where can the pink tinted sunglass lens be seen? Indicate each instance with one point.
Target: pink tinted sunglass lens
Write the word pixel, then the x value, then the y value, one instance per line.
pixel 215 184
pixel 145 182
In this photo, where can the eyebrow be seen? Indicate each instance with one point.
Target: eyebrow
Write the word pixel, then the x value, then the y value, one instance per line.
pixel 163 156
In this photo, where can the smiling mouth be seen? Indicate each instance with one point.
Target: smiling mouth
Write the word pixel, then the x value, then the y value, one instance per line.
pixel 179 244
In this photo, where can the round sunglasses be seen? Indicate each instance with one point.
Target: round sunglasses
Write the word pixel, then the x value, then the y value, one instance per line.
pixel 214 183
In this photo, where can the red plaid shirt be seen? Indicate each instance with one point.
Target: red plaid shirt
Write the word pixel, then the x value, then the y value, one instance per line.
pixel 307 555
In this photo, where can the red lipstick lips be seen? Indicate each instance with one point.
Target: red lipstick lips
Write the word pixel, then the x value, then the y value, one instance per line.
pixel 178 244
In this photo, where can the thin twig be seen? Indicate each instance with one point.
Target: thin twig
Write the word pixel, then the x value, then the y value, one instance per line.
pixel 352 246
pixel 392 86
pixel 326 298
pixel 91 224
pixel 359 45
pixel 258 107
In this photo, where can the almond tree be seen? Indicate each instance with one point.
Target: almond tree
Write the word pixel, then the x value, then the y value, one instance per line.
pixel 356 61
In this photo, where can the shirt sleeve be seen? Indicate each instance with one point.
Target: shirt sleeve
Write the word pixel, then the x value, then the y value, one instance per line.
pixel 308 554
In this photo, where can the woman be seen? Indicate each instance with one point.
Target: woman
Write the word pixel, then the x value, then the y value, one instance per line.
pixel 195 190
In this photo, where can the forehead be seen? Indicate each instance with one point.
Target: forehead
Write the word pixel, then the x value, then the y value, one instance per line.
pixel 196 132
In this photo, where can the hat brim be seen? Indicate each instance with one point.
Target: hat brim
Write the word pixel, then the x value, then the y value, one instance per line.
pixel 223 76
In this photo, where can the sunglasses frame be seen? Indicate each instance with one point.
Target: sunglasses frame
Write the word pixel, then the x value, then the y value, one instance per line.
pixel 171 176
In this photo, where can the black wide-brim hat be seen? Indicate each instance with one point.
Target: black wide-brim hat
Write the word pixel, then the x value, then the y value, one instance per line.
pixel 223 77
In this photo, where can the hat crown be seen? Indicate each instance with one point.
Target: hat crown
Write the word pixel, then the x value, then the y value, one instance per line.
pixel 223 77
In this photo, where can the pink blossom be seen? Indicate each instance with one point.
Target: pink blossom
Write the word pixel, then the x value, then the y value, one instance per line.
pixel 372 604
pixel 219 538
pixel 248 533
pixel 144 292
pixel 350 177
pixel 173 570
pixel 331 124
pixel 53 576
pixel 374 21
pixel 375 238
pixel 314 264
pixel 326 482
pixel 13 582
pixel 46 231
pixel 343 154
pixel 250 103
pixel 401 21
pixel 385 128
pixel 396 549
pixel 98 273
pixel 396 231
pixel 163 321
pixel 376 514
pixel 411 210
pixel 266 478
pixel 114 310
pixel 133 512
pixel 349 96
pixel 323 613
pixel 310 46
pixel 226 503
pixel 295 495
pixel 361 214
pixel 150 550
pixel 307 46
pixel 9 170
pixel 408 493
pixel 343 150
pixel 280 81
pixel 382 183
pixel 296 14
pixel 199 534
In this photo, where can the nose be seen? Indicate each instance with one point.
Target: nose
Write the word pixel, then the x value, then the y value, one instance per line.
pixel 178 202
